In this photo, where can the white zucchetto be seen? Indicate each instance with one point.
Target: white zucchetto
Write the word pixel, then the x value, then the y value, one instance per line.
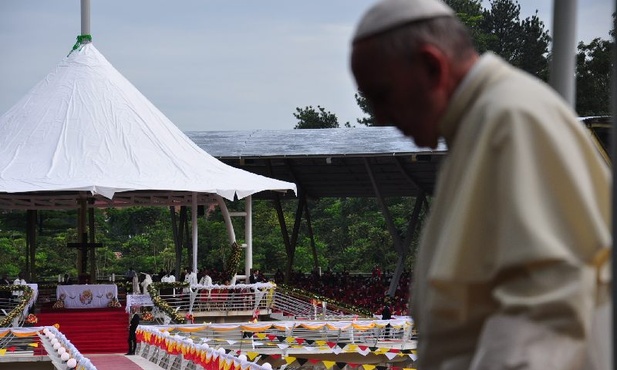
pixel 389 14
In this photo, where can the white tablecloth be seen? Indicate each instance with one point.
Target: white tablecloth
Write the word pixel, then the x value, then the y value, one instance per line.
pixel 138 300
pixel 86 296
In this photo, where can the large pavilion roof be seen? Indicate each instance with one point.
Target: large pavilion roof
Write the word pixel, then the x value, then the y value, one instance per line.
pixel 329 162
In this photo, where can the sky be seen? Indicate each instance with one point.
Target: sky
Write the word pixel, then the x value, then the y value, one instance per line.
pixel 212 65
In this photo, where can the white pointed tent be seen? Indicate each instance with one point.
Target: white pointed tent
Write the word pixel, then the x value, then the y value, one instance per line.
pixel 85 132
pixel 87 128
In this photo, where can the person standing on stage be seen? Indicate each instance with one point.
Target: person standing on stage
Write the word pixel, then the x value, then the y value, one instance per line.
pixel 133 331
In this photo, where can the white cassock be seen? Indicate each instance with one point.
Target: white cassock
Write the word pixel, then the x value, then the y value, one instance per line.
pixel 513 262
pixel 190 278
pixel 136 285
pixel 205 280
pixel 144 284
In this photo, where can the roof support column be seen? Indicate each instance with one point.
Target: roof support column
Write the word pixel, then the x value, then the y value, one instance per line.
pixel 412 226
pixel 248 236
pixel 401 246
pixel 91 251
pixel 31 245
pixel 613 152
pixel 309 225
pixel 195 230
pixel 289 249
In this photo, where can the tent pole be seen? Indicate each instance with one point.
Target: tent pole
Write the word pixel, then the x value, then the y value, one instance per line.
pixel 195 231
pixel 248 236
pixel 227 218
pixel 85 17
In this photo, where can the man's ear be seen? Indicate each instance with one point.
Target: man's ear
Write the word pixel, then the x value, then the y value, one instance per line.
pixel 435 64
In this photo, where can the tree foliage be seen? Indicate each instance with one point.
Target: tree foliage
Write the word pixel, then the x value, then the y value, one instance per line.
pixel 593 75
pixel 310 117
pixel 365 106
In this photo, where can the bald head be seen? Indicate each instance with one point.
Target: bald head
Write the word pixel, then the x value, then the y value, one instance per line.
pixel 389 14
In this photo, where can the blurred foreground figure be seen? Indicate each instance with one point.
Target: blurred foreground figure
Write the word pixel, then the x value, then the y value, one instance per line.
pixel 513 268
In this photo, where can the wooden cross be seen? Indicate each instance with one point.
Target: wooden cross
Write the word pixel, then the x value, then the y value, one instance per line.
pixel 83 247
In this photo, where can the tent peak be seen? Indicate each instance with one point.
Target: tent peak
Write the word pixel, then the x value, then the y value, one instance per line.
pixel 81 40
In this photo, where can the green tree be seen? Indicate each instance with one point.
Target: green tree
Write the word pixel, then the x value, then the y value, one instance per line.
pixel 470 12
pixel 502 23
pixel 310 117
pixel 593 75
pixel 363 103
pixel 593 72
pixel 534 55
pixel 523 44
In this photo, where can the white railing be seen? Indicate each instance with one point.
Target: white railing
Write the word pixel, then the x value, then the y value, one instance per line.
pixel 239 297
pixel 293 307
pixel 266 336
pixel 234 300
pixel 182 353
pixel 61 351
pixel 199 300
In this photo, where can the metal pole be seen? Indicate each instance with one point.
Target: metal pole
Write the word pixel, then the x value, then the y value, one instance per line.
pixel 614 192
pixel 195 231
pixel 85 17
pixel 563 66
pixel 248 236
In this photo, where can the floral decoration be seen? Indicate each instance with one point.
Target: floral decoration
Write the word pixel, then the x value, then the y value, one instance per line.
pixel 32 319
pixel 232 262
pixel 21 306
pixel 147 316
pixel 159 302
pixel 113 303
pixel 60 302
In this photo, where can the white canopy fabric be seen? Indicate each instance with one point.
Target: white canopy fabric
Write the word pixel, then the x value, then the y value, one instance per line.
pixel 87 128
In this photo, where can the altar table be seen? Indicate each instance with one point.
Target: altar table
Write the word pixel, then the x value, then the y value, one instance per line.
pixel 86 295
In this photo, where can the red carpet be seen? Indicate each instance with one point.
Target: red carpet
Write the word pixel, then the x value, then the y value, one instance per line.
pixel 102 330
pixel 113 362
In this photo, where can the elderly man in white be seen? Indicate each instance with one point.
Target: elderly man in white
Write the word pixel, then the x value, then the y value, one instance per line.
pixel 144 284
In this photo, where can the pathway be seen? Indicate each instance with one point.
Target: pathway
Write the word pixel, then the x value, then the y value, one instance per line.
pixel 118 361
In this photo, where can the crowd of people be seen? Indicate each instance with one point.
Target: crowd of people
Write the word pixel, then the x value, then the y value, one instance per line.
pixel 362 290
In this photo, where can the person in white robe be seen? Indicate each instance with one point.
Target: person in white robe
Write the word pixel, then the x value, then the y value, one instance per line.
pixel 513 267
pixel 205 280
pixel 168 278
pixel 135 282
pixel 191 279
pixel 144 284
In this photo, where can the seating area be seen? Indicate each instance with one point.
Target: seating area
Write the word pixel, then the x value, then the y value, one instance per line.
pixel 367 291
